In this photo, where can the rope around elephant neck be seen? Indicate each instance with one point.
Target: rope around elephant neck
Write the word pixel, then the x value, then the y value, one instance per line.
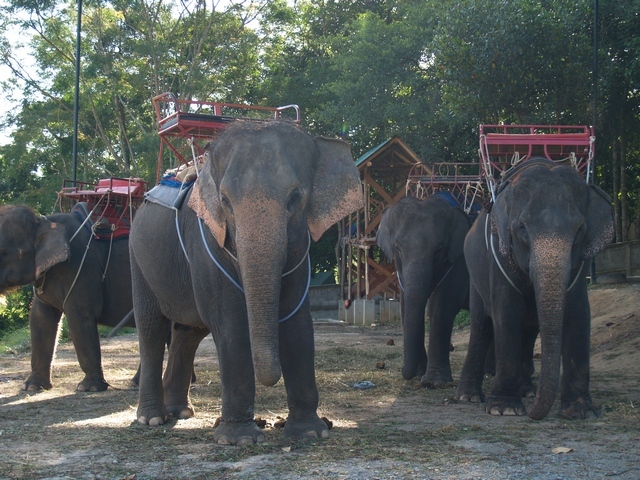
pixel 239 287
pixel 493 251
pixel 441 279
pixel 40 290
pixel 288 272
pixel 84 256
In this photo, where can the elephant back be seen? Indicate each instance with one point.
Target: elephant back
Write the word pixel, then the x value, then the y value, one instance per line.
pixel 514 172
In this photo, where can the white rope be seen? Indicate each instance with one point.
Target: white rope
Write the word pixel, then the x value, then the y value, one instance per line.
pixel 86 250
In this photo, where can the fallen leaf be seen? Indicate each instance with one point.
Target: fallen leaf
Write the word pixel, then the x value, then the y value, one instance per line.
pixel 562 450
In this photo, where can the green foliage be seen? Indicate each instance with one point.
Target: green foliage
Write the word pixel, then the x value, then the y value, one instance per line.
pixel 17 341
pixel 14 313
pixel 428 71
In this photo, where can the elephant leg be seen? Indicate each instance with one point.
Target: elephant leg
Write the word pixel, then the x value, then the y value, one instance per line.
pixel 490 359
pixel 153 329
pixel 506 392
pixel 469 387
pixel 442 312
pixel 44 324
pixel 297 360
pixel 575 399
pixel 237 425
pixel 151 335
pixel 83 330
pixel 178 373
pixel 529 336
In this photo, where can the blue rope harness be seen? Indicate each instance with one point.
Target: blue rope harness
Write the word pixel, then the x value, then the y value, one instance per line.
pixel 239 287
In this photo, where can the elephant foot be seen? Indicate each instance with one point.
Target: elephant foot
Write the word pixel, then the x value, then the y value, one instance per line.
pixel 507 406
pixel 307 428
pixel 92 385
pixel 181 411
pixel 580 409
pixel 437 379
pixel 35 385
pixel 152 419
pixel 238 433
pixel 469 392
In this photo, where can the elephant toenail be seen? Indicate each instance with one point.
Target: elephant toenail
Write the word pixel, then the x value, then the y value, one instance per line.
pixel 245 441
pixel 155 421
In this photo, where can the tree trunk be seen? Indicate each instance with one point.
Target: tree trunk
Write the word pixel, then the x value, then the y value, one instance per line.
pixel 616 189
pixel 624 217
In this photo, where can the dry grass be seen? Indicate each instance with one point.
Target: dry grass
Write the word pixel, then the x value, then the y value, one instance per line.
pixel 395 430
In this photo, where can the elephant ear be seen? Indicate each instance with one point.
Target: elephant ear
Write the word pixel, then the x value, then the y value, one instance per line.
pixel 336 190
pixel 51 245
pixel 457 234
pixel 599 222
pixel 500 215
pixel 205 202
pixel 383 237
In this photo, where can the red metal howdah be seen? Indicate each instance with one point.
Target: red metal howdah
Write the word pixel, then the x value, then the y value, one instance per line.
pixel 186 126
pixel 111 203
pixel 501 148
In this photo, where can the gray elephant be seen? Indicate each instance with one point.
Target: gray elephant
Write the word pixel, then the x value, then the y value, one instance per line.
pixel 425 239
pixel 527 259
pixel 65 264
pixel 237 265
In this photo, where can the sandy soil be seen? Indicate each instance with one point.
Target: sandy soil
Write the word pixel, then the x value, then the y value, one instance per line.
pixel 395 430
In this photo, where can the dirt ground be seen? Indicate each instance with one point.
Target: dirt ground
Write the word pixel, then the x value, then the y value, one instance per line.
pixel 395 430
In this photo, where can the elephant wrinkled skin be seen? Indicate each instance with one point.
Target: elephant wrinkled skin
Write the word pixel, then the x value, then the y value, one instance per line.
pixel 263 193
pixel 527 260
pixel 425 240
pixel 39 250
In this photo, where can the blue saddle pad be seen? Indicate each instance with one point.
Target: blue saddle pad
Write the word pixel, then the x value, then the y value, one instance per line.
pixel 170 196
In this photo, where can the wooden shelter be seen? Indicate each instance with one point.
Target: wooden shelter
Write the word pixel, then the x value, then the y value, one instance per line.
pixel 364 271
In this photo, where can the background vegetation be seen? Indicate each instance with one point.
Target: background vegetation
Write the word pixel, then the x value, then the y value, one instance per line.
pixel 428 71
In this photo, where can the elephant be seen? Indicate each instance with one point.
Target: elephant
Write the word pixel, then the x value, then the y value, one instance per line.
pixel 425 239
pixel 72 272
pixel 233 260
pixel 527 257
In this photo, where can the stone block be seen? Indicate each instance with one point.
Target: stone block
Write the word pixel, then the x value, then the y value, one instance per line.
pixel 390 311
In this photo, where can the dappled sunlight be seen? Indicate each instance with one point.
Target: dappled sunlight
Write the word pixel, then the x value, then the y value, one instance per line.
pixel 24 398
pixel 122 418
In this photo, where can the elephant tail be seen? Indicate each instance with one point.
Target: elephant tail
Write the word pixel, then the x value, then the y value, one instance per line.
pixel 127 321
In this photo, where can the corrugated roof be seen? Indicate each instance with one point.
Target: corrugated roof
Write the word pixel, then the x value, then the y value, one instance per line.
pixel 368 154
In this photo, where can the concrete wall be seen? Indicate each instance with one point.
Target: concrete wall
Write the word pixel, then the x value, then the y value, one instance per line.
pixel 619 258
pixel 326 305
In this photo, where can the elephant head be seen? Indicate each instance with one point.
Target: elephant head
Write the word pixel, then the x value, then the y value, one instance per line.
pixel 264 189
pixel 31 245
pixel 548 221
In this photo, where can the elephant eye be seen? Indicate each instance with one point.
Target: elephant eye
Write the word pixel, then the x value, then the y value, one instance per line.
pixel 294 200
pixel 226 203
pixel 524 234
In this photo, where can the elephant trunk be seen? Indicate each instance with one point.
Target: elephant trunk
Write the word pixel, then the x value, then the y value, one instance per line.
pixel 550 267
pixel 262 252
pixel 417 288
